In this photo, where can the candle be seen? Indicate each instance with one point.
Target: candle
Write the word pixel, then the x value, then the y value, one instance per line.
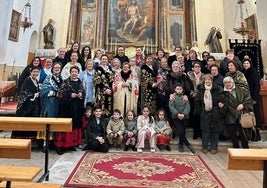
pixel 146 45
pixel 151 46
pixel 110 49
pixel 116 40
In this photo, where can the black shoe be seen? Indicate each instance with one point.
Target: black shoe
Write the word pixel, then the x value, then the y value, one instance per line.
pixel 126 148
pixel 168 148
pixel 59 151
pixel 85 148
pixel 180 148
pixel 72 149
pixel 44 149
pixel 190 147
pixel 118 147
pixel 133 148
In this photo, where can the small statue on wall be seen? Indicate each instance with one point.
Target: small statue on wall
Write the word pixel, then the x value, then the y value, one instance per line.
pixel 213 40
pixel 48 32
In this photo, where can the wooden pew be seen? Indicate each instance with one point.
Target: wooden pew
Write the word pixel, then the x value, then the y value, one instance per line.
pixel 248 159
pixel 18 173
pixel 37 124
pixel 15 148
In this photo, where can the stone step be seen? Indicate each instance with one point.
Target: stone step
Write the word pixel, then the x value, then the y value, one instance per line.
pixel 222 145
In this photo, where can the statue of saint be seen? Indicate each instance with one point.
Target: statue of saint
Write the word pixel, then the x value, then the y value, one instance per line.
pixel 48 32
pixel 213 40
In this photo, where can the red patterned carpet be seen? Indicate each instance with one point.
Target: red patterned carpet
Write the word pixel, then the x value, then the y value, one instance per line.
pixel 117 170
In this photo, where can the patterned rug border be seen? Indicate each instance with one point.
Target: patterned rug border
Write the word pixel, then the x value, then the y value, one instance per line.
pixel 68 184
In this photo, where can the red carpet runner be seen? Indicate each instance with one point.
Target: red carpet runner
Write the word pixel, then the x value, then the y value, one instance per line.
pixel 117 170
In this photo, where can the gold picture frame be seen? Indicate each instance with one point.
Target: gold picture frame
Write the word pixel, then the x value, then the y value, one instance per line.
pixel 127 28
pixel 176 30
pixel 14 28
pixel 251 23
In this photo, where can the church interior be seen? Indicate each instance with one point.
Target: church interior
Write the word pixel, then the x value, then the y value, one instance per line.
pixel 32 28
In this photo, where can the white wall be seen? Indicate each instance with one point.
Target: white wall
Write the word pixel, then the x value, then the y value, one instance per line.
pixel 59 11
pixel 209 13
pixel 262 26
pixel 19 50
pixel 5 17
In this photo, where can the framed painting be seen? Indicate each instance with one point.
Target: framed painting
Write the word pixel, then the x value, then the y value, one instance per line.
pixel 176 30
pixel 251 23
pixel 132 22
pixel 88 21
pixel 88 4
pixel 176 5
pixel 14 26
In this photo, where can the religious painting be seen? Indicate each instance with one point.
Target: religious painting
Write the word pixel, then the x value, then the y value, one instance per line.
pixel 88 28
pixel 176 30
pixel 176 4
pixel 88 4
pixel 132 22
pixel 14 26
pixel 251 23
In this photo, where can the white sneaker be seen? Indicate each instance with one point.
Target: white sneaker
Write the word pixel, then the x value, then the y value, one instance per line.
pixel 139 150
pixel 152 150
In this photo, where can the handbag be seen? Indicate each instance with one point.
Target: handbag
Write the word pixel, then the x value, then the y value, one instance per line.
pixel 247 120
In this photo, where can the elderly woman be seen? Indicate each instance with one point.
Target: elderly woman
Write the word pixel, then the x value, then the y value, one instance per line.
pixel 49 96
pixel 177 76
pixel 253 79
pixel 87 78
pixel 238 77
pixel 103 81
pixel 125 90
pixel 237 99
pixel 72 96
pixel 209 105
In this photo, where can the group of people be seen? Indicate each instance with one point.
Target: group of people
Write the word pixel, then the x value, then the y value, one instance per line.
pixel 131 100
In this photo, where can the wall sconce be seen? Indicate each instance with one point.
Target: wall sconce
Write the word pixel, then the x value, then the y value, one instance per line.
pixel 26 16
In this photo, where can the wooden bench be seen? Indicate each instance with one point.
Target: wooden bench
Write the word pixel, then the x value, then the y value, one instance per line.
pixel 16 184
pixel 248 159
pixel 37 124
pixel 18 173
pixel 15 148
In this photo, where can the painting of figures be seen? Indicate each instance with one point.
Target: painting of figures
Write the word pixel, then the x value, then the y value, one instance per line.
pixel 131 22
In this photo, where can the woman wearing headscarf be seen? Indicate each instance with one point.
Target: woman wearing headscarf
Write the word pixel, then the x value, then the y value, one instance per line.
pixel 253 80
pixel 237 99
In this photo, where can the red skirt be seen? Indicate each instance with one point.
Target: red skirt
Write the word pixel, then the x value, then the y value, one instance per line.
pixel 163 140
pixel 69 139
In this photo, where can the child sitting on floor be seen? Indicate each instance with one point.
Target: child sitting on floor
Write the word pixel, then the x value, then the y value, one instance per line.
pixel 130 132
pixel 163 130
pixel 115 129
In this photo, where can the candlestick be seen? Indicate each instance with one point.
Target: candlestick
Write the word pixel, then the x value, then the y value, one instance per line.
pixel 151 46
pixel 146 45
pixel 116 41
pixel 110 49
